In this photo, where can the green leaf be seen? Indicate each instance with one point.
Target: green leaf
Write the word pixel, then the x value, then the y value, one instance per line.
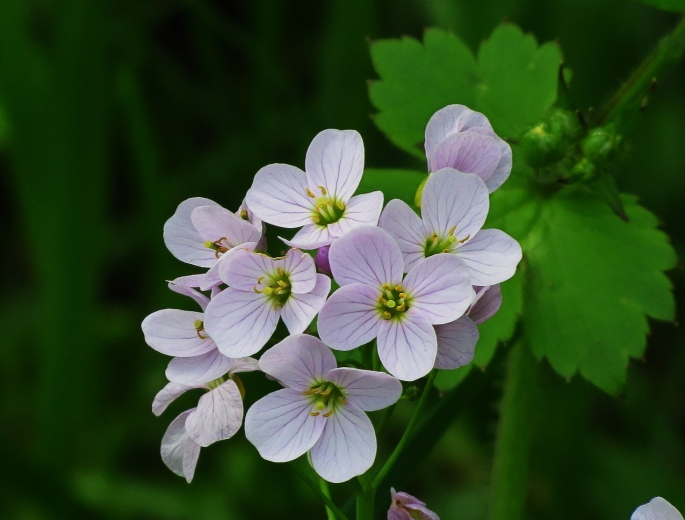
pixel 497 329
pixel 591 282
pixel 416 81
pixel 395 184
pixel 666 5
pixel 513 83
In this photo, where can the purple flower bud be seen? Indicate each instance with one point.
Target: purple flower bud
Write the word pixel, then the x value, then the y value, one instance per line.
pixel 406 507
pixel 321 261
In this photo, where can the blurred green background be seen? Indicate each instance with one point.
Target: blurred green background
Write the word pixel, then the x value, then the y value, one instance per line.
pixel 112 113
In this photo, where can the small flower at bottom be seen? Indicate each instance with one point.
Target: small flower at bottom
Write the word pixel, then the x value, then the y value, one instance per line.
pixel 218 416
pixel 406 507
pixel 657 509
pixel 321 410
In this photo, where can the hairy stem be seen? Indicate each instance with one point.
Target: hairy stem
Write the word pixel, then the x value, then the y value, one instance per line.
pixel 510 466
pixel 668 52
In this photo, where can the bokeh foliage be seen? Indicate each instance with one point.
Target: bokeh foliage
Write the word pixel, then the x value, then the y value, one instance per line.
pixel 111 113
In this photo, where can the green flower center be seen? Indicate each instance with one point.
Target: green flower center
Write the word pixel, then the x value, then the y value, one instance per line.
pixel 326 398
pixel 276 286
pixel 436 244
pixel 327 209
pixel 392 302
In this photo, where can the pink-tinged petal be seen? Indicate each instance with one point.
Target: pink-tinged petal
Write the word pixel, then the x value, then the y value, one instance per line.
pixel 451 120
pixel 168 395
pixel 251 217
pixel 181 237
pixel 299 309
pixel 278 196
pixel 185 286
pixel 487 303
pixel 407 507
pixel 212 278
pixel 407 228
pixel 491 256
pixel 297 361
pixel 240 322
pixel 657 509
pixel 456 343
pixel 310 236
pixel 503 169
pixel 243 269
pixel 335 161
pixel 218 415
pixel 468 152
pixel 367 389
pixel 367 255
pixel 321 261
pixel 362 210
pixel 216 224
pixel 439 288
pixel 349 318
pixel 172 332
pixel 407 347
pixel 198 369
pixel 452 199
pixel 281 427
pixel 246 364
pixel 347 446
pixel 179 451
pixel 301 271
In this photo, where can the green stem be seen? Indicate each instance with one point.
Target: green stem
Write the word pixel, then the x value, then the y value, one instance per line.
pixel 365 503
pixel 406 435
pixel 332 511
pixel 510 466
pixel 668 52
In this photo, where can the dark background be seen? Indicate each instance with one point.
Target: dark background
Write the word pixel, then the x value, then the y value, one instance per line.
pixel 112 113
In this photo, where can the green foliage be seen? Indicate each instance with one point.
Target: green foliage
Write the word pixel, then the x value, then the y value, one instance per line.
pixel 395 184
pixel 666 5
pixel 588 280
pixel 513 81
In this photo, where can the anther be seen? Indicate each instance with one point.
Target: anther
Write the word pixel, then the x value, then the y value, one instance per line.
pixel 316 219
pixel 328 413
pixel 243 214
pixel 403 295
pixel 259 280
pixel 282 284
pixel 387 315
pixel 279 271
pixel 451 231
pixel 309 193
pixel 314 414
pixel 401 307
pixel 464 239
pixel 323 190
pixel 340 205
pixel 257 290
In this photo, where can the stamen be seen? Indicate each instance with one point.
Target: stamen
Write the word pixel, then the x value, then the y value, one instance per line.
pixel 403 295
pixel 309 193
pixel 316 219
pixel 328 413
pixel 323 190
pixel 399 288
pixel 464 239
pixel 386 315
pixel 340 205
pixel 257 290
pixel 283 284
pixel 259 280
pixel 279 271
pixel 243 214
pixel 451 231
pixel 401 307
pixel 314 414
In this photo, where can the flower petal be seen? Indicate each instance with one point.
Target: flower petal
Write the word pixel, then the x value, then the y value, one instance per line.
pixel 407 228
pixel 278 196
pixel 245 364
pixel 240 322
pixel 198 369
pixel 491 256
pixel 301 271
pixel 468 152
pixel 407 347
pixel 299 309
pixel 454 199
pixel 179 451
pixel 168 395
pixel 212 278
pixel 172 332
pixel 453 119
pixel 181 237
pixel 503 169
pixel 335 160
pixel 440 288
pixel 297 361
pixel 349 318
pixel 487 303
pixel 280 425
pixel 347 446
pixel 367 389
pixel 310 236
pixel 367 255
pixel 361 210
pixel 185 286
pixel 243 268
pixel 217 224
pixel 456 343
pixel 218 415
pixel 657 509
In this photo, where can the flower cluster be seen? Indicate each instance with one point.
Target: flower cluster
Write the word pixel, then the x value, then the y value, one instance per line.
pixel 414 285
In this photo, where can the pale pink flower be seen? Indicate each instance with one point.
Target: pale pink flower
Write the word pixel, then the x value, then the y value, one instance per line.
pixel 657 509
pixel 319 198
pixel 406 507
pixel 321 410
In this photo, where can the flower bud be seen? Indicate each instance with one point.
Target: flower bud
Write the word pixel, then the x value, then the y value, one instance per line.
pixel 548 141
pixel 321 261
pixel 601 144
